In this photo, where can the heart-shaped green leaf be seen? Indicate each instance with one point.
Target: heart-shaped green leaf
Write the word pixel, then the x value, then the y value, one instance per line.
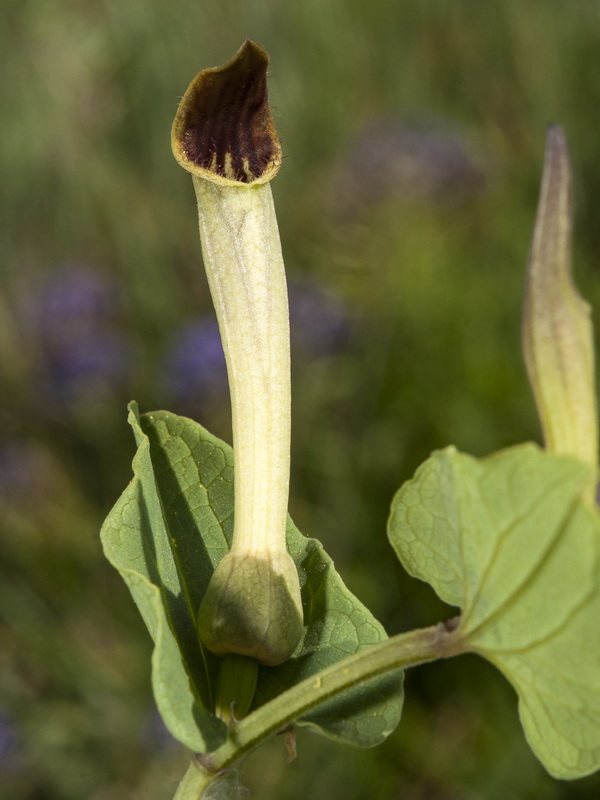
pixel 167 533
pixel 137 542
pixel 509 540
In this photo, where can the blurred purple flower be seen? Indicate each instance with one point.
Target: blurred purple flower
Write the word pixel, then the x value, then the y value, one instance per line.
pixel 9 745
pixel 155 736
pixel 73 326
pixel 424 159
pixel 195 374
pixel 74 294
pixel 21 470
pixel 319 322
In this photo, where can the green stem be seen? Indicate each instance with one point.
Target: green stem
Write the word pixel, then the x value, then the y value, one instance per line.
pixel 403 650
pixel 195 782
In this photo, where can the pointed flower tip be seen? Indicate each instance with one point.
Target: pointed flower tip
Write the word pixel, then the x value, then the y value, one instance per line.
pixel 223 130
pixel 557 176
pixel 555 133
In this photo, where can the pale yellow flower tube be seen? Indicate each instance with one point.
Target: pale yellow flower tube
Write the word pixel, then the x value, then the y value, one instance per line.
pixel 223 134
pixel 558 339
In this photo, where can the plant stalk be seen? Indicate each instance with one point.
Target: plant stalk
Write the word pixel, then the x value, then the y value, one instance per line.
pixel 401 651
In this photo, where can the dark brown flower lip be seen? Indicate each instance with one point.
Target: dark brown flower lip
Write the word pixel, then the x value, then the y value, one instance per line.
pixel 223 130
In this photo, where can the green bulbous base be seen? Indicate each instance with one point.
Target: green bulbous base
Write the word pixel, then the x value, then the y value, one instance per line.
pixel 253 607
pixel 235 687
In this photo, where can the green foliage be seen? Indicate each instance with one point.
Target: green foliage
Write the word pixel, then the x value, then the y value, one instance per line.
pixel 509 540
pixel 167 533
pixel 435 290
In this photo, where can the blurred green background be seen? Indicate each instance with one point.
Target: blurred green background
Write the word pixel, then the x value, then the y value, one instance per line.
pixel 413 135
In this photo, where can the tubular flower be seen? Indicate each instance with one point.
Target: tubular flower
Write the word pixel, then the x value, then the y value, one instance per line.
pixel 557 329
pixel 223 134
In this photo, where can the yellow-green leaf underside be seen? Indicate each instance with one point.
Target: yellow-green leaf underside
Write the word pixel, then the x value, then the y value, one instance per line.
pixel 509 541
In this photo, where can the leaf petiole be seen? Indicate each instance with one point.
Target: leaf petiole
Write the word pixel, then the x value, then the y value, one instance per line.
pixel 403 650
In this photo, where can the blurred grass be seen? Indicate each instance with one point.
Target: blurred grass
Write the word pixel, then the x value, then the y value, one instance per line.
pixel 431 289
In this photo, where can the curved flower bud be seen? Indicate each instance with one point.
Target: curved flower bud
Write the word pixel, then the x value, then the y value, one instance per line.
pixel 557 329
pixel 224 135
